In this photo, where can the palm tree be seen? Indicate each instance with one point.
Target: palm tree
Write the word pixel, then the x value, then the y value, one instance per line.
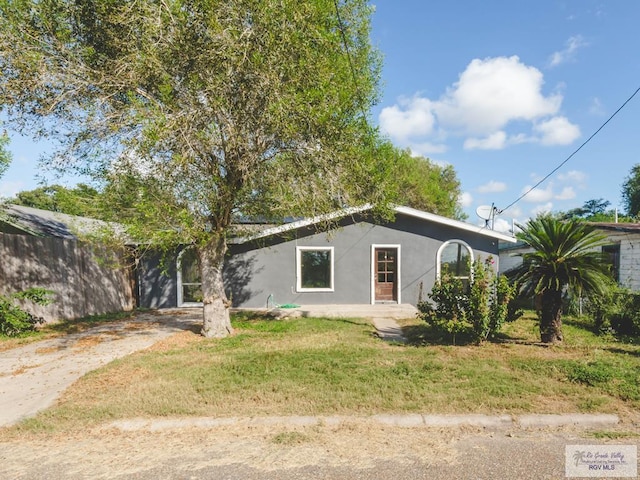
pixel 565 257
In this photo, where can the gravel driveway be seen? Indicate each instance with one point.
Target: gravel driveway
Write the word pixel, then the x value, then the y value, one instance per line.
pixel 32 377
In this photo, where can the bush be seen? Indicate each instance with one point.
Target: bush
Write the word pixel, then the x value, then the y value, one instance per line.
pixel 14 320
pixel 475 311
pixel 617 309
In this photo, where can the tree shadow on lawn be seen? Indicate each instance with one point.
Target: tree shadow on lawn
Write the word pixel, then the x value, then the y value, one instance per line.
pixel 425 335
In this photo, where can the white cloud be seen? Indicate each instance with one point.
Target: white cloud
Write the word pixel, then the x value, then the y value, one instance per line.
pixel 465 199
pixel 557 131
pixel 502 225
pixel 596 107
pixel 10 188
pixel 573 176
pixel 492 187
pixel 496 102
pixel 545 208
pixel 426 148
pixel 492 92
pixel 537 195
pixel 568 53
pixel 495 141
pixel 567 193
pixel 412 117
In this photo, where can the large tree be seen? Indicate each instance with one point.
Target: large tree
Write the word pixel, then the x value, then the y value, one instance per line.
pixel 80 200
pixel 206 108
pixel 5 154
pixel 427 186
pixel 631 191
pixel 565 257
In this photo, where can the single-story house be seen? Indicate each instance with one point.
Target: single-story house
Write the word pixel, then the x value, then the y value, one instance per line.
pixel 357 261
pixel 622 246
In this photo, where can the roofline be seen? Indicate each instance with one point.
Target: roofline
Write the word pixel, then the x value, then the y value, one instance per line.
pixel 455 223
pixel 354 210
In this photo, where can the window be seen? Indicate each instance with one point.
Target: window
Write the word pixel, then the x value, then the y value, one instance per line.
pixel 455 257
pixel 189 283
pixel 612 253
pixel 314 269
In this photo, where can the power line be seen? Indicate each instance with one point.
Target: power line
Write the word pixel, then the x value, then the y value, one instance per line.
pixel 570 156
pixel 351 66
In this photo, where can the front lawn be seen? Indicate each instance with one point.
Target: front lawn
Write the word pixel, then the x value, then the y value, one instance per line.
pixel 315 366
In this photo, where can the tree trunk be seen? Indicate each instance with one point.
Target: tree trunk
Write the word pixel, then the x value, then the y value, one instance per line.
pixel 551 317
pixel 216 319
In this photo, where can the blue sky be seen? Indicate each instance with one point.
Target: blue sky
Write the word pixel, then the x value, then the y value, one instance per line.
pixel 502 90
pixel 505 91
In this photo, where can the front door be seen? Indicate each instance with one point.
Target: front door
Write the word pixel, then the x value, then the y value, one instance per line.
pixel 386 274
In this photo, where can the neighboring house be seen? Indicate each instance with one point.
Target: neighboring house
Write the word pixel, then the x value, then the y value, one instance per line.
pixel 358 261
pixel 622 247
pixel 39 248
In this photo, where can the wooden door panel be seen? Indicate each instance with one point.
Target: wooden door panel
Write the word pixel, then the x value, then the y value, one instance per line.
pixel 386 268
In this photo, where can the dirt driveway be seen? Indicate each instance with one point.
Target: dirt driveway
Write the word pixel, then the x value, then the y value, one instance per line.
pixel 32 377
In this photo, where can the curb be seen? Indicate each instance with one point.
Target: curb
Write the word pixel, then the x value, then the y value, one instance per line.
pixel 489 422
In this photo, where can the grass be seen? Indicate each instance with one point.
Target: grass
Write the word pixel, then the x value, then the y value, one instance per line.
pixel 314 366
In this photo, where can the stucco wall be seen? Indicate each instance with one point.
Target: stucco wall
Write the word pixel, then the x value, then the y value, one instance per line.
pixel 256 272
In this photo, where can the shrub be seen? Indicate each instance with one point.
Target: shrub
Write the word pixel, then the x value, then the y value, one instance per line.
pixel 14 320
pixel 476 311
pixel 617 309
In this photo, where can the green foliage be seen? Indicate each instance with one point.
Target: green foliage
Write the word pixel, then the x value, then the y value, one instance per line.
pixel 81 200
pixel 595 210
pixel 565 256
pixel 5 155
pixel 15 320
pixel 475 312
pixel 631 191
pixel 617 309
pixel 427 186
pixel 202 110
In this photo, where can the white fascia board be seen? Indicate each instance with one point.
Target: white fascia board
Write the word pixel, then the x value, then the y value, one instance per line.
pixel 286 227
pixel 354 210
pixel 412 212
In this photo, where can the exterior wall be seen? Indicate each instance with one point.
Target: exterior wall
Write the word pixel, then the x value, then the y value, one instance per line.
pixel 256 272
pixel 509 257
pixel 157 281
pixel 629 257
pixel 82 281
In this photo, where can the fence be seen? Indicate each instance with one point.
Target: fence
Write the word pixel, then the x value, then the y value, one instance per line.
pixel 84 282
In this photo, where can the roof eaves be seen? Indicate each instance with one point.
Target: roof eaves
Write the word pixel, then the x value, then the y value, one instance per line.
pixel 354 210
pixel 456 224
pixel 287 227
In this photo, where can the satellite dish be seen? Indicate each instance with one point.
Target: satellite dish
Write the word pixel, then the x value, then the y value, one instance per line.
pixel 485 212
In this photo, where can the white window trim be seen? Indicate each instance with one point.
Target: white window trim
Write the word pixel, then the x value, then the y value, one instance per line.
pixel 445 245
pixel 180 296
pixel 373 270
pixel 299 287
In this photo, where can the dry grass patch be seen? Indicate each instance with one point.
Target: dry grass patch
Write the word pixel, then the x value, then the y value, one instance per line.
pixel 312 366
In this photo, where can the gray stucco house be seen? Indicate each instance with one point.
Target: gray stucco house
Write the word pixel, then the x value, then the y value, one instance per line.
pixel 358 261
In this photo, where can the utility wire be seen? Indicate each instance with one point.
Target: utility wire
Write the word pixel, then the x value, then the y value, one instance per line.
pixel 570 156
pixel 351 66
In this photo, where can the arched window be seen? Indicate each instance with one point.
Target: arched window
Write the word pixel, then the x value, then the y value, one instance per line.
pixel 189 282
pixel 455 257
